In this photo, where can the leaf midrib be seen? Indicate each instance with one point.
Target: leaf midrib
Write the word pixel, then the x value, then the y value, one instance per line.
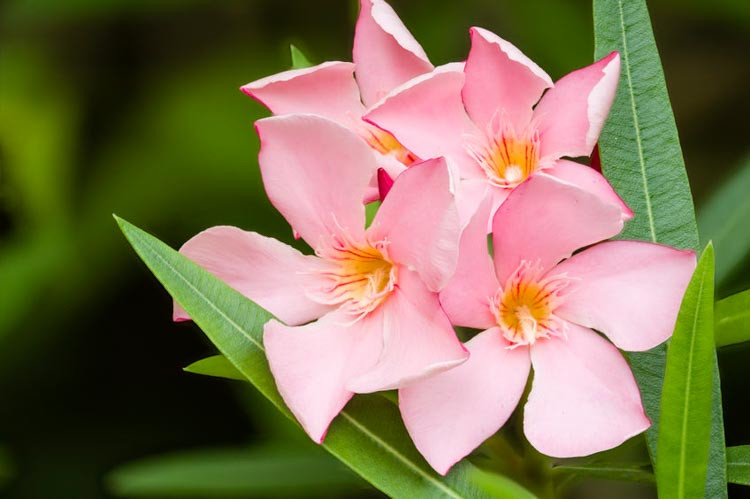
pixel 641 160
pixel 343 413
pixel 683 440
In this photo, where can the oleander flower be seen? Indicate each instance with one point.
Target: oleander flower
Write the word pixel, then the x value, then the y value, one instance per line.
pixel 385 55
pixel 494 122
pixel 371 293
pixel 539 306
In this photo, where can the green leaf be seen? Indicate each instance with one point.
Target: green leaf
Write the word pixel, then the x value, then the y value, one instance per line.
pixel 259 472
pixel 367 436
pixel 685 431
pixel 641 156
pixel 299 61
pixel 217 366
pixel 608 471
pixel 738 464
pixel 499 486
pixel 723 220
pixel 371 209
pixel 732 319
pixel 639 146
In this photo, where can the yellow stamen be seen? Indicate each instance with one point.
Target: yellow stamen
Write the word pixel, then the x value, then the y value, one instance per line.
pixel 524 308
pixel 506 157
pixel 362 278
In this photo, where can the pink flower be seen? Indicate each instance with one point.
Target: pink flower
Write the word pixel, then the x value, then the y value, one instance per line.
pixel 372 293
pixel 492 122
pixel 385 55
pixel 536 305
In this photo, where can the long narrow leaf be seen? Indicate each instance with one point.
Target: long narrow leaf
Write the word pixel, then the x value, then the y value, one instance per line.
pixel 367 436
pixel 253 472
pixel 723 220
pixel 641 157
pixel 217 366
pixel 738 464
pixel 499 486
pixel 685 431
pixel 607 471
pixel 732 317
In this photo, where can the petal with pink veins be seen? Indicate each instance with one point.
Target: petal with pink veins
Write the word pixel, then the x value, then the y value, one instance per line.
pixel 588 179
pixel 385 53
pixel 570 116
pixel 629 290
pixel 545 220
pixel 584 398
pixel 328 90
pixel 426 115
pixel 419 221
pixel 275 276
pixel 316 173
pixel 501 80
pixel 312 363
pixel 450 414
pixel 466 297
pixel 418 339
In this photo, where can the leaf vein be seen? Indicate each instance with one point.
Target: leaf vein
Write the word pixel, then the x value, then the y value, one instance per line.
pixel 688 379
pixel 626 59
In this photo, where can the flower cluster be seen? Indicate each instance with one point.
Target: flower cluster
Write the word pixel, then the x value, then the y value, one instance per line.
pixel 453 152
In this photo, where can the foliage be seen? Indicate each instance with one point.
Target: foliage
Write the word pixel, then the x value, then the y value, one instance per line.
pixel 723 219
pixel 367 435
pixel 261 471
pixel 733 319
pixel 641 156
pixel 685 429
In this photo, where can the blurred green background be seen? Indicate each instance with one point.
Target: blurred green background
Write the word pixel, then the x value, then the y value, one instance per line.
pixel 132 106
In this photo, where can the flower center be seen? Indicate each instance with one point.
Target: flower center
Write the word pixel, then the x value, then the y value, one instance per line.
pixel 524 308
pixel 506 157
pixel 386 144
pixel 362 277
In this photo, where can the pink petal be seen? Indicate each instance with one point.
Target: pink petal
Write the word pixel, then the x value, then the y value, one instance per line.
pixel 418 339
pixel 501 79
pixel 450 414
pixel 499 195
pixel 312 363
pixel 470 192
pixel 385 53
pixel 571 115
pixel 426 115
pixel 275 276
pixel 583 399
pixel 545 219
pixel 420 222
pixel 316 173
pixel 466 297
pixel 588 179
pixel 391 167
pixel 629 290
pixel 328 89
